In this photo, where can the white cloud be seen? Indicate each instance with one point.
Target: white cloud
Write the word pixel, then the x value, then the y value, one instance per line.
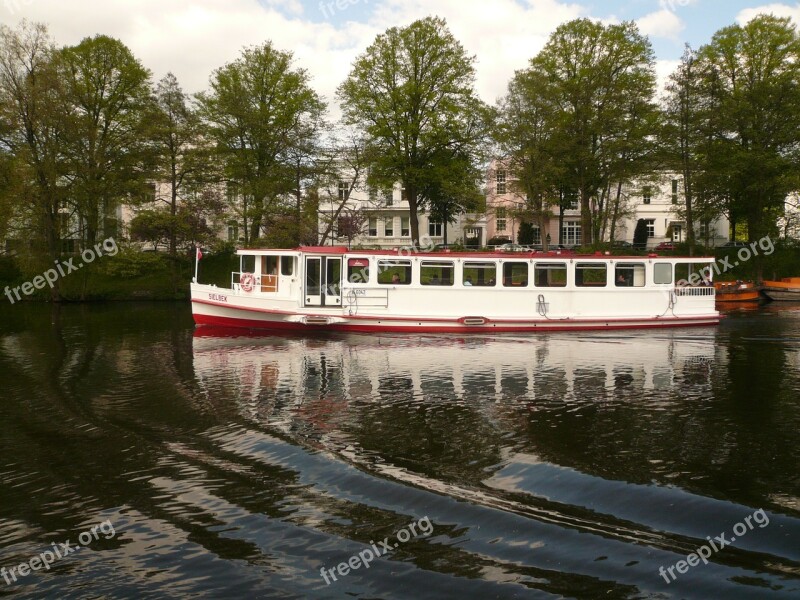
pixel 777 9
pixel 191 38
pixel 661 24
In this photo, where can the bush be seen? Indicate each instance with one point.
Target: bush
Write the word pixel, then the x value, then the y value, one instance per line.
pixel 130 263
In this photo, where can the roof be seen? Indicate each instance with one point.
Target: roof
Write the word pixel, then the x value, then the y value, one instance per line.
pixel 408 251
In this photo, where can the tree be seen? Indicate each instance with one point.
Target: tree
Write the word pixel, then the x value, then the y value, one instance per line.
pixel 529 137
pixel 32 129
pixel 601 78
pixel 451 185
pixel 261 114
pixel 108 93
pixel 751 76
pixel 181 158
pixel 413 93
pixel 640 235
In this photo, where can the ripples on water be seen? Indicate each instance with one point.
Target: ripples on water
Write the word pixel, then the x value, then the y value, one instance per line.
pixel 568 465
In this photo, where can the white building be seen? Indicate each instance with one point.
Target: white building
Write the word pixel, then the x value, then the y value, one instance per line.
pixel 381 219
pixel 658 202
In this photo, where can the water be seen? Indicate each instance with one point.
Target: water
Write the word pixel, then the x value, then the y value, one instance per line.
pixel 536 466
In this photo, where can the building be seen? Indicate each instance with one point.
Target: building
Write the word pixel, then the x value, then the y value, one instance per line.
pixel 381 219
pixel 658 202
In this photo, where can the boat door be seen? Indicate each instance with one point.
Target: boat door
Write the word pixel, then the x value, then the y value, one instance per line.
pixel 323 281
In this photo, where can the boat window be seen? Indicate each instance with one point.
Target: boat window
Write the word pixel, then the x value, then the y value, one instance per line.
pixel 550 274
pixel 436 273
pixel 248 264
pixel 394 272
pixel 482 274
pixel 590 274
pixel 662 273
pixel 358 270
pixel 269 265
pixel 629 275
pixel 515 274
pixel 682 271
pixel 287 265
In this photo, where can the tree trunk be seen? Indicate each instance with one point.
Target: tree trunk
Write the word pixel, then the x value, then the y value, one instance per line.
pixel 411 192
pixel 586 219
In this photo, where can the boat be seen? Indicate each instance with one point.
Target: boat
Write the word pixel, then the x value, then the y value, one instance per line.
pixel 409 290
pixel 737 291
pixel 787 288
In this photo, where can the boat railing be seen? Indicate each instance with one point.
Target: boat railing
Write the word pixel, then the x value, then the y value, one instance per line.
pixel 694 291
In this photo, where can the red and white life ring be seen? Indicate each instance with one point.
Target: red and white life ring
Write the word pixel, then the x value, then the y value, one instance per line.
pixel 247 281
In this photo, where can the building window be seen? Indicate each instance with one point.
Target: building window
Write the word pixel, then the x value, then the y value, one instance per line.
pixel 646 195
pixel 677 233
pixel 341 227
pixel 501 182
pixel 343 189
pixel 434 229
pixel 373 227
pixel 405 226
pixel 233 232
pixel 537 236
pixel 500 218
pixel 436 273
pixel 388 197
pixel 651 228
pixel 403 195
pixel 703 230
pixel 674 191
pixel 388 227
pixel 373 194
pixel 571 233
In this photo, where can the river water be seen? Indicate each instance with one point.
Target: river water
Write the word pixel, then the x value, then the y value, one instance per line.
pixel 216 464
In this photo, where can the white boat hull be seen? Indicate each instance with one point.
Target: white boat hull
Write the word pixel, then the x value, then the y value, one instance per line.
pixel 223 308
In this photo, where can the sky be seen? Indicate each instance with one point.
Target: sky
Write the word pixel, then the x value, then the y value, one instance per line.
pixel 191 38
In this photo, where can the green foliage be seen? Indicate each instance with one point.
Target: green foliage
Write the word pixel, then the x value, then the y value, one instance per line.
pixel 589 98
pixel 413 94
pixel 748 104
pixel 263 118
pixel 130 263
pixel 107 92
pixel 640 234
pixel 525 234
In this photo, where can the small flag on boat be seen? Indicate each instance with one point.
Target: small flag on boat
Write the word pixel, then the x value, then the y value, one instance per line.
pixel 199 254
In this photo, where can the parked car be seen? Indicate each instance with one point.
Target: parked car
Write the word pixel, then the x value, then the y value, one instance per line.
pixel 734 244
pixel 513 248
pixel 622 245
pixel 664 246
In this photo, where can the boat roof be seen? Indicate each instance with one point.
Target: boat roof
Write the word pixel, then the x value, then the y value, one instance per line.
pixel 407 252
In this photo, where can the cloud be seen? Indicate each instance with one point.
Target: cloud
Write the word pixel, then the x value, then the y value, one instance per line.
pixel 777 9
pixel 191 38
pixel 661 24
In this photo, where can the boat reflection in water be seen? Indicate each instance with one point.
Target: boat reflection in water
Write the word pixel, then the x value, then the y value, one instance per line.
pixel 360 367
pixel 596 457
pixel 627 441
